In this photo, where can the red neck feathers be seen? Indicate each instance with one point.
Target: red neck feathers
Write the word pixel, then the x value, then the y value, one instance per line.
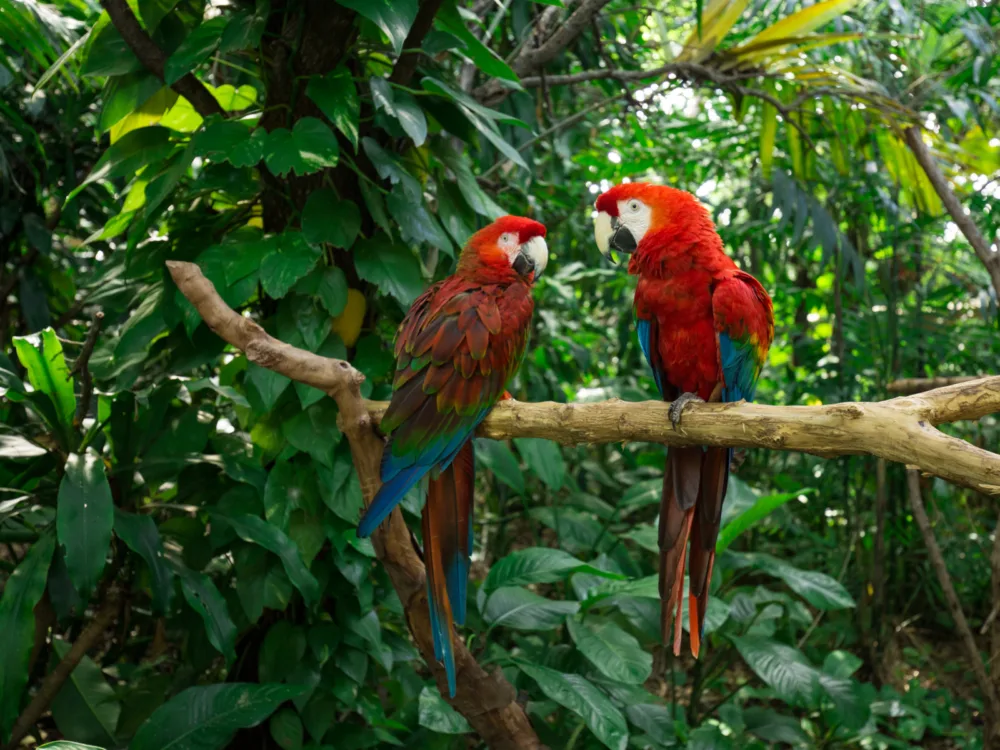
pixel 484 260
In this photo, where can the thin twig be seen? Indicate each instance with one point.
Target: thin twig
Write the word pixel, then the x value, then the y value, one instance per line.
pixel 104 618
pixel 81 367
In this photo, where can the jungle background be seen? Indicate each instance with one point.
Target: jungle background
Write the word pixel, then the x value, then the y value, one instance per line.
pixel 185 521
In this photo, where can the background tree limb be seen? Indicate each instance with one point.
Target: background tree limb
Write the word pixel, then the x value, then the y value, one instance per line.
pixel 150 55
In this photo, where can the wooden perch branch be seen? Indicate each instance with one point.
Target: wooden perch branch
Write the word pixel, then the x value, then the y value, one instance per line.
pixel 487 701
pixel 901 429
pixel 919 385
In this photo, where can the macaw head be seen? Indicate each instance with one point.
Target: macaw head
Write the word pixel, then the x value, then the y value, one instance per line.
pixel 511 247
pixel 632 212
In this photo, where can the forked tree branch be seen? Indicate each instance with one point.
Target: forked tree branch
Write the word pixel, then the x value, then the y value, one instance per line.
pixel 150 55
pixel 901 430
pixel 487 701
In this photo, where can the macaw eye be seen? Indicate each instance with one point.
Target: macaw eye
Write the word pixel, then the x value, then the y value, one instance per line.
pixel 507 239
pixel 633 206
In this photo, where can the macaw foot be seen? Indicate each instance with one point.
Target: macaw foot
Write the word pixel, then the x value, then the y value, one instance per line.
pixel 677 407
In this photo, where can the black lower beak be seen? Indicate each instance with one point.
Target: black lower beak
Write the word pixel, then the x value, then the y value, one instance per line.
pixel 623 241
pixel 523 265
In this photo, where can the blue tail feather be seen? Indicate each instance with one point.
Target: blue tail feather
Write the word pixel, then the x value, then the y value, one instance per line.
pixel 388 497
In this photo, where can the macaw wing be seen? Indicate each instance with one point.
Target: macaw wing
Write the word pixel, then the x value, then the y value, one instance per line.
pixel 451 368
pixel 744 326
pixel 648 333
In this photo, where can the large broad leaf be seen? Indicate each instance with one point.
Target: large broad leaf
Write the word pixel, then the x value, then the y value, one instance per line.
pixel 819 589
pixel 403 107
pixel 761 508
pixel 771 726
pixel 578 531
pixel 128 155
pixel 337 97
pixel 393 17
pixel 258 531
pixel 799 23
pixel 525 610
pixel 537 565
pixel 435 714
pixel 499 459
pixel 143 538
pixel 584 699
pixel 392 268
pixel 86 706
pixel 544 458
pixel 206 718
pixel 85 515
pixel 294 258
pixel 327 218
pixel 655 720
pixel 308 147
pixel 615 653
pixel 22 592
pixel 195 48
pixel 784 668
pixel 205 599
pixel 450 21
pixel 15 446
pixel 42 357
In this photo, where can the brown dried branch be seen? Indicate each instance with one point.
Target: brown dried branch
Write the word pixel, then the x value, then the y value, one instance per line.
pixel 988 257
pixel 82 366
pixel 487 701
pixel 900 430
pixel 406 65
pixel 150 55
pixel 104 618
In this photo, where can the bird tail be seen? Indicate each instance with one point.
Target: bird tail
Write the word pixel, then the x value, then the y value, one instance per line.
pixel 694 487
pixel 447 532
pixel 389 494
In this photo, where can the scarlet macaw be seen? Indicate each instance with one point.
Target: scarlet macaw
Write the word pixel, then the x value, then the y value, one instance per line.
pixel 457 348
pixel 705 327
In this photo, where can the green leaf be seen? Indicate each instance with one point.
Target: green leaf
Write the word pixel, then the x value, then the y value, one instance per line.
pixel 655 720
pixel 294 258
pixel 248 153
pixel 244 30
pixel 841 664
pixel 337 97
pixel 785 669
pixel 393 17
pixel 195 49
pixel 327 218
pixel 207 717
pixel 582 698
pixel 21 593
pixel 308 147
pixel 544 458
pixel 125 94
pixel 499 459
pixel 257 531
pixel 269 384
pixel 577 531
pixel 761 508
pixel 435 714
pixel 143 538
pixel 128 155
pixel 219 137
pixel 42 357
pixel 771 726
pixel 402 106
pixel 86 707
pixel 15 446
pixel 286 729
pixel 85 515
pixel 283 649
pixel 449 20
pixel 537 565
pixel 416 223
pixel 521 609
pixel 819 589
pixel 205 599
pixel 615 653
pixel 66 745
pixel 391 267
pixel 332 290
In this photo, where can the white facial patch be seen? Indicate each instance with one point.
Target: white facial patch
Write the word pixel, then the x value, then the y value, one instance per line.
pixel 635 215
pixel 603 231
pixel 509 244
pixel 538 251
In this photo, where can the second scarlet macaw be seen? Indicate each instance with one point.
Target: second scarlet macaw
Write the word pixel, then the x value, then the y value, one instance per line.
pixel 705 327
pixel 456 350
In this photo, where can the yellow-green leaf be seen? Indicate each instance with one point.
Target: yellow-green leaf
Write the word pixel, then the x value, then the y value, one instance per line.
pixel 716 21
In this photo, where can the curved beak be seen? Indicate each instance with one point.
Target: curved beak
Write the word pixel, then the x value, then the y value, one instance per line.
pixel 533 257
pixel 611 234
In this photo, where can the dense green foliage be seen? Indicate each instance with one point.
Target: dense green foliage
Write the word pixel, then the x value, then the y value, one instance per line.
pixel 214 503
